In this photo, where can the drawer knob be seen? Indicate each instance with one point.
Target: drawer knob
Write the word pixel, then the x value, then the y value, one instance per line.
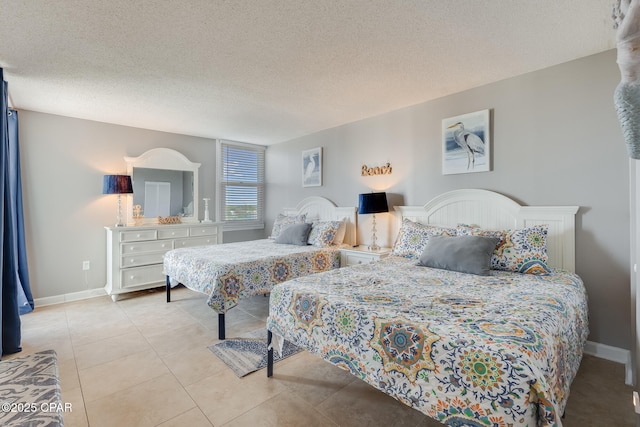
pixel 138 235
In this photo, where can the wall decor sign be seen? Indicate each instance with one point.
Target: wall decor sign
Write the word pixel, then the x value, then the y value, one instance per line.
pixel 466 145
pixel 377 170
pixel 312 167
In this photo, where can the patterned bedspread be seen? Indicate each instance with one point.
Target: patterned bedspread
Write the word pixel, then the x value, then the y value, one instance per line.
pixel 467 350
pixel 232 271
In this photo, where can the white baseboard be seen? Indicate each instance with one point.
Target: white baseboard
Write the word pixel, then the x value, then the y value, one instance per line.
pixel 613 354
pixel 74 296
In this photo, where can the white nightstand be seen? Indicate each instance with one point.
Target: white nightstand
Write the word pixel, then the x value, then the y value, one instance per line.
pixel 361 255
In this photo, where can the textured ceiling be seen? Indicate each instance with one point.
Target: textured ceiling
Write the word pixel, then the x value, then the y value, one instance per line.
pixel 266 71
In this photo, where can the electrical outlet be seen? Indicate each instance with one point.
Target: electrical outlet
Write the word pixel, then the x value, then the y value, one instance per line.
pixel 86 265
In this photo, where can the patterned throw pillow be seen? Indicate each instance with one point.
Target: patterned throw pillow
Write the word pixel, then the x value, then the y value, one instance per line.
pixel 323 233
pixel 413 237
pixel 283 220
pixel 466 229
pixel 523 250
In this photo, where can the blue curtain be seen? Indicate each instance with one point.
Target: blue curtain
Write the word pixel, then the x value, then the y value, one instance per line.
pixel 15 295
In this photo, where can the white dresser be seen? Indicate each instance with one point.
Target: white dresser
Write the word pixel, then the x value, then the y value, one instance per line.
pixel 134 254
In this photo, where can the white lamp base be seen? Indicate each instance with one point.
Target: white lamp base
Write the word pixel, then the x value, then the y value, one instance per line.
pixel 119 219
pixel 374 239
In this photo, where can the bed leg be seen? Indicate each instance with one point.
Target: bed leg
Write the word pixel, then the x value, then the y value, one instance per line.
pixel 269 354
pixel 221 326
pixel 168 289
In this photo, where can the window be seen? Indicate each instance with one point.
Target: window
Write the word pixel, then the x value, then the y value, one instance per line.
pixel 240 185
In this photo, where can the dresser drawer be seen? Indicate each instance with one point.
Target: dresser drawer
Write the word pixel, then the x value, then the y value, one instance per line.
pixel 138 235
pixel 361 255
pixel 142 247
pixel 142 259
pixel 202 241
pixel 355 259
pixel 173 233
pixel 203 231
pixel 142 275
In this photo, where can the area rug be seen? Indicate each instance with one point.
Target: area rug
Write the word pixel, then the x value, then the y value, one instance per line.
pixel 247 355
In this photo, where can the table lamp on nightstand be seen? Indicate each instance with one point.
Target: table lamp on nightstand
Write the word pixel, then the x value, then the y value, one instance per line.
pixel 373 203
pixel 117 184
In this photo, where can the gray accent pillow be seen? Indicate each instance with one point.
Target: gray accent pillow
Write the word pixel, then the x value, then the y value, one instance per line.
pixel 466 254
pixel 283 220
pixel 295 234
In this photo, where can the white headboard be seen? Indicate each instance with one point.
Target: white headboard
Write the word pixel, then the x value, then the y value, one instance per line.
pixel 494 211
pixel 325 210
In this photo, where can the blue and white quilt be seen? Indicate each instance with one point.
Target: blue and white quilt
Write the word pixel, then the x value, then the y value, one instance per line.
pixel 232 271
pixel 496 350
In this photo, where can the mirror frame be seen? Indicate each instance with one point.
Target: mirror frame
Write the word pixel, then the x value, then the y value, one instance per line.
pixel 163 158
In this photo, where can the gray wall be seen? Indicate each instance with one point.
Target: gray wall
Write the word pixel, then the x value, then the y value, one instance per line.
pixel 555 141
pixel 63 161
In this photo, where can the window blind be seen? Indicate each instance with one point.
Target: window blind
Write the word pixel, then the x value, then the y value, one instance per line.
pixel 241 185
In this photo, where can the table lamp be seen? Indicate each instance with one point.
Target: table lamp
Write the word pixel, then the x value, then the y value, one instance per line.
pixel 373 203
pixel 117 184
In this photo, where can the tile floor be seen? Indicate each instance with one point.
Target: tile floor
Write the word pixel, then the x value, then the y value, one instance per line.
pixel 142 362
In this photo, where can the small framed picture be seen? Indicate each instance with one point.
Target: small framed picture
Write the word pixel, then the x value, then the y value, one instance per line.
pixel 466 145
pixel 312 167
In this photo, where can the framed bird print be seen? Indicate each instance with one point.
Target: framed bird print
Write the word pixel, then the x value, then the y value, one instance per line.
pixel 312 167
pixel 466 143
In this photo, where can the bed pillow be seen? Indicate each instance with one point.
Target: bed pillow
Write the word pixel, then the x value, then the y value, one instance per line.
pixel 413 237
pixel 294 234
pixel 466 229
pixel 323 233
pixel 342 230
pixel 284 220
pixel 522 250
pixel 466 254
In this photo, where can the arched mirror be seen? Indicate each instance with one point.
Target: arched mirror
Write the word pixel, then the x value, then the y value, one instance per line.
pixel 165 183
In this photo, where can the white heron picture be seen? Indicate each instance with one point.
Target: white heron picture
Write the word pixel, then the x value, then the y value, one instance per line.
pixel 465 143
pixel 312 167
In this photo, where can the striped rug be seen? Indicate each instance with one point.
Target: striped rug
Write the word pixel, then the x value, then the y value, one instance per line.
pixel 247 355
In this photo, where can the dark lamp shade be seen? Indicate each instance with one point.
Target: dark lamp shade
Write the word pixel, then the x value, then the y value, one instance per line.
pixel 117 184
pixel 372 203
